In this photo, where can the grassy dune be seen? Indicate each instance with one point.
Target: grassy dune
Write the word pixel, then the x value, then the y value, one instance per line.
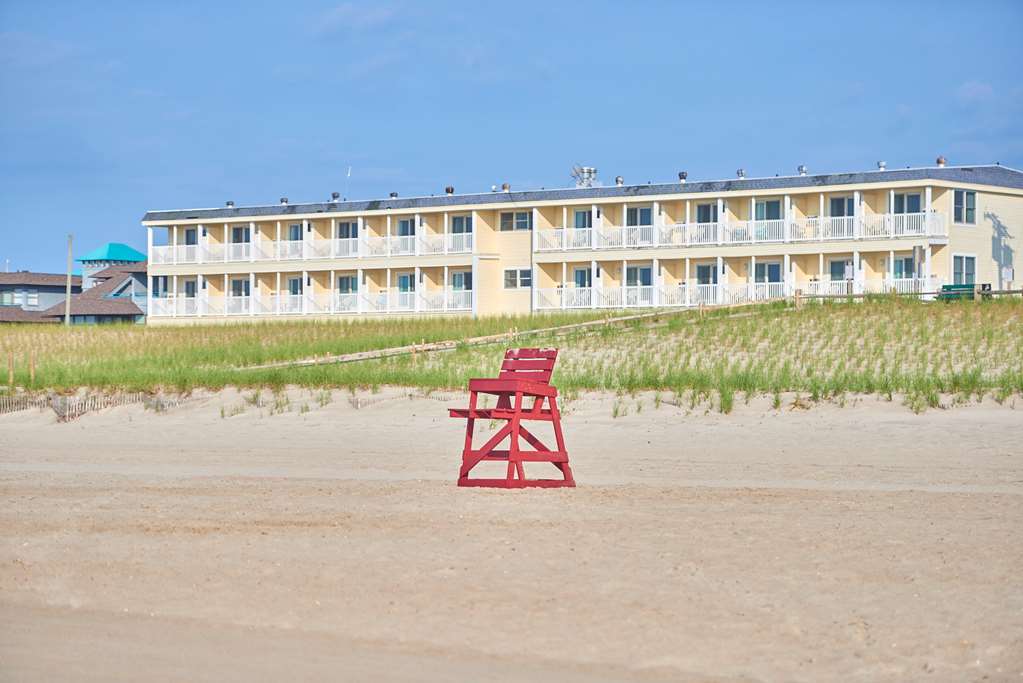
pixel 879 346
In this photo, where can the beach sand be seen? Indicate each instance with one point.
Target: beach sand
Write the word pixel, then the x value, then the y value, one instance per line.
pixel 217 541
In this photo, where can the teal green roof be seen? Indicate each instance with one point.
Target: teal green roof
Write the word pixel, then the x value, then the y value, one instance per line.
pixel 114 251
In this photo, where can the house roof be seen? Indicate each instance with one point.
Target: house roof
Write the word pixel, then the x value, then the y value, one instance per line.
pixel 114 251
pixel 15 314
pixel 25 277
pixel 994 175
pixel 94 301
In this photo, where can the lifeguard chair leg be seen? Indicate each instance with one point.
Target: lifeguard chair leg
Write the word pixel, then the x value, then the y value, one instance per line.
pixel 559 438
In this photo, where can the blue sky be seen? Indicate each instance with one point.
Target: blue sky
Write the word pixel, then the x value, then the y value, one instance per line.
pixel 111 109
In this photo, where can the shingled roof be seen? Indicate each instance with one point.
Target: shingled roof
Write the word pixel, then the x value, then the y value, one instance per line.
pixel 997 176
pixel 15 314
pixel 24 277
pixel 94 301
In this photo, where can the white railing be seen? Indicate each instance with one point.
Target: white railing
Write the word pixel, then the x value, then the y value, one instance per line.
pixel 290 249
pixel 161 255
pixel 674 295
pixel 375 301
pixel 431 244
pixel 160 306
pixel 459 242
pixel 376 246
pixel 827 228
pixel 319 249
pixel 346 247
pixel 403 245
pixel 704 294
pixel 346 302
pixel 239 251
pixel 238 305
pixel 214 251
pixel 460 300
pixel 286 303
pixel 402 301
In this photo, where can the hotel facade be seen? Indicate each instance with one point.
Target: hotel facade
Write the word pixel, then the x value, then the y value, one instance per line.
pixel 590 247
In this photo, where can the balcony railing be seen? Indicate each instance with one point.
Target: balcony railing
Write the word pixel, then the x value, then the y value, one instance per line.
pixel 873 226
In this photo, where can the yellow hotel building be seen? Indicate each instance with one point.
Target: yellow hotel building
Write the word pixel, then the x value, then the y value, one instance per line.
pixel 591 246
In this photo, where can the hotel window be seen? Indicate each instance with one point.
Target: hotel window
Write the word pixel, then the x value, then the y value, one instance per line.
pixel 461 281
pixel 964 270
pixel 347 230
pixel 767 272
pixel 407 227
pixel 347 284
pixel 240 287
pixel 189 289
pixel 638 276
pixel 295 232
pixel 583 278
pixel 583 219
pixel 706 274
pixel 517 220
pixel 294 286
pixel 906 203
pixel 639 216
pixel 841 270
pixel 406 282
pixel 768 210
pixel 461 224
pixel 903 267
pixel 518 278
pixel 191 237
pixel 965 209
pixel 706 213
pixel 841 207
pixel 6 298
pixel 240 234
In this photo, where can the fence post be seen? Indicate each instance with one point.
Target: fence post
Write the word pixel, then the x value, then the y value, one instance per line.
pixel 10 368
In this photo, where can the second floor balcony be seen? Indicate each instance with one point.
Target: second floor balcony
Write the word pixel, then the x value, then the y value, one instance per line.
pixel 814 229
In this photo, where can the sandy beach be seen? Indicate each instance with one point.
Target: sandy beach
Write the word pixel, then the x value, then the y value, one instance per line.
pixel 223 541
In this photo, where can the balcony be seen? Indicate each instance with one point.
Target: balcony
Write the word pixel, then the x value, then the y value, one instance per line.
pixel 873 226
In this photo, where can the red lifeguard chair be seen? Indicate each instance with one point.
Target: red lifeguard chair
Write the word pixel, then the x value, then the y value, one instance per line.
pixel 525 378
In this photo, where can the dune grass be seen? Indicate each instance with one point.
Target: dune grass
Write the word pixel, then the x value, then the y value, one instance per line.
pixel 883 346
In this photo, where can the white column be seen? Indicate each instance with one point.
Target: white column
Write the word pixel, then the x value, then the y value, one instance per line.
pixel 788 218
pixel 593 284
pixel 752 275
pixel 227 247
pixel 564 281
pixel 253 237
pixel 857 274
pixel 277 249
pixel 657 282
pixel 721 221
pixel 360 227
pixel 225 292
pixel 596 221
pixel 474 295
pixel 687 211
pixel 415 239
pixel 564 217
pixel 536 223
pixel 387 299
pixel 533 289
pixel 446 240
pixel 200 297
pixel 720 265
pixel 333 247
pixel 359 287
pixel 857 215
pixel 752 208
pixel 927 267
pixel 305 289
pixel 475 249
pixel 689 285
pixel 252 294
pixel 277 297
pixel 625 269
pixel 174 293
pixel 305 252
pixel 149 244
pixel 388 243
pixel 201 241
pixel 415 294
pixel 891 265
pixel 657 224
pixel 445 287
pixel 820 211
pixel 332 289
pixel 928 195
pixel 787 281
pixel 174 246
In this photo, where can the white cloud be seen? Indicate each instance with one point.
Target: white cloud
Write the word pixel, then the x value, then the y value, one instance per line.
pixel 352 16
pixel 974 91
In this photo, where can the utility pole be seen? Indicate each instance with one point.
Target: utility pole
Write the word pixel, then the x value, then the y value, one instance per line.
pixel 67 286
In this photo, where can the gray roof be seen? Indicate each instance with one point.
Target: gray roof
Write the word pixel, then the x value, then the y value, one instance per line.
pixel 999 176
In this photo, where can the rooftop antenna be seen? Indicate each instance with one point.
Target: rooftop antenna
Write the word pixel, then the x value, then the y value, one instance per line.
pixel 585 176
pixel 347 178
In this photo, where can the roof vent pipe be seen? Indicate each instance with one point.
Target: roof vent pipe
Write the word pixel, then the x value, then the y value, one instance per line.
pixel 334 196
pixel 802 169
pixel 394 195
pixel 230 204
pixel 449 190
pixel 619 180
pixel 493 188
pixel 284 201
pixel 682 175
pixel 941 162
pixel 741 173
pixel 505 187
pixel 882 165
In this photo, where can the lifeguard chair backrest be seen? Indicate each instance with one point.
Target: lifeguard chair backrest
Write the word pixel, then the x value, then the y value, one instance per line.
pixel 536 365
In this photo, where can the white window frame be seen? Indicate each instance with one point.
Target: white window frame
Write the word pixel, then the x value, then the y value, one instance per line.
pixel 639 209
pixel 588 223
pixel 844 261
pixel 519 273
pixel 578 269
pixel 952 266
pixel 766 263
pixel 964 221
pixel 714 217
pixel 527 216
pixel 846 199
